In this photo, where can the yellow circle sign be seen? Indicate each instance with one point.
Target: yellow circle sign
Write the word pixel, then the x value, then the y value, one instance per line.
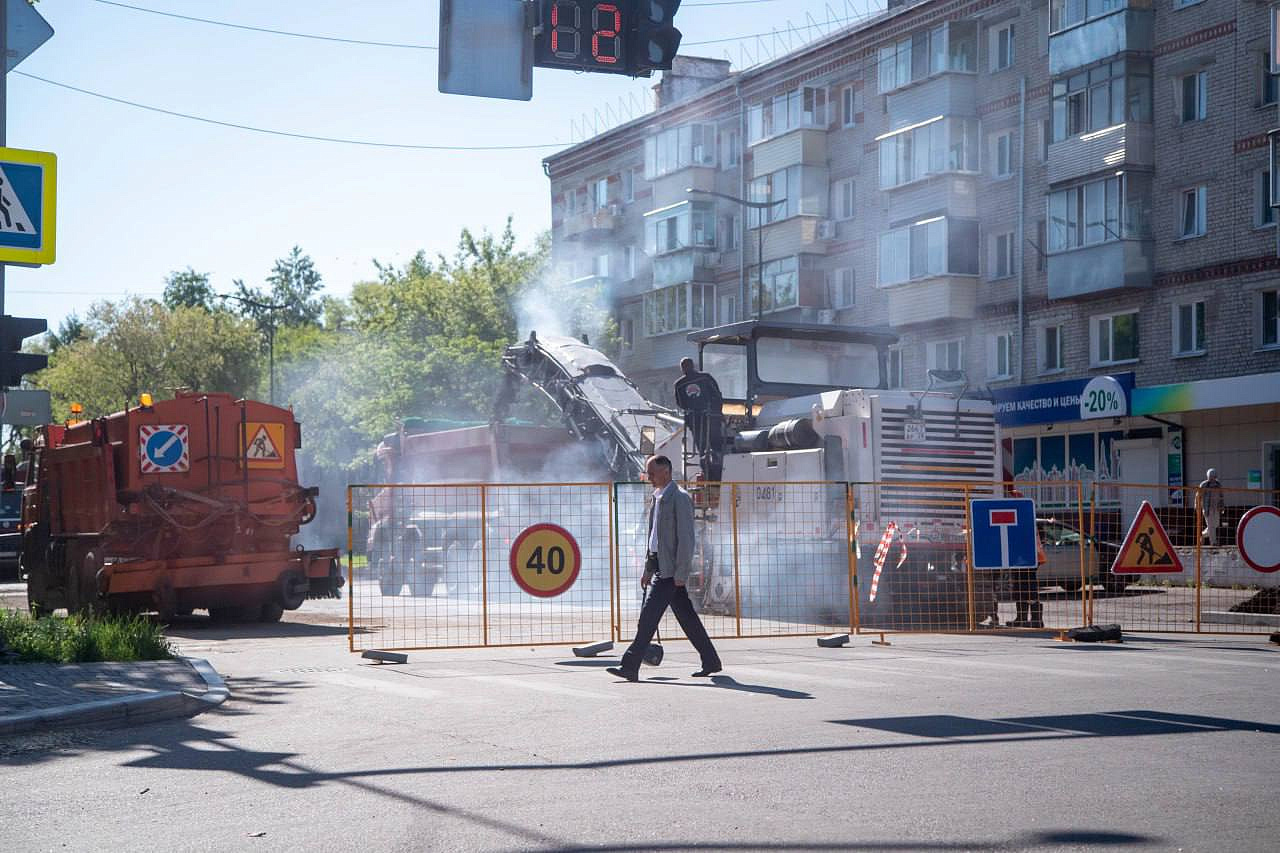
pixel 545 560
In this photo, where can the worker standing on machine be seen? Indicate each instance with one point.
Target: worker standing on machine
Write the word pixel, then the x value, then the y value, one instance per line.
pixel 698 395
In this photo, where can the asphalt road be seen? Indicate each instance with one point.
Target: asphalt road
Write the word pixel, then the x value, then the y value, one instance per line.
pixel 933 743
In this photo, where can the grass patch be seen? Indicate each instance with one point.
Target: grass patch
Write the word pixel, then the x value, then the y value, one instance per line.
pixel 81 639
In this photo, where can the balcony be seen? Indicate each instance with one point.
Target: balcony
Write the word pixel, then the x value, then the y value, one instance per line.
pixel 1112 148
pixel 593 225
pixel 670 188
pixel 948 297
pixel 687 264
pixel 1100 37
pixel 801 234
pixel 1108 266
pixel 801 147
pixel 946 94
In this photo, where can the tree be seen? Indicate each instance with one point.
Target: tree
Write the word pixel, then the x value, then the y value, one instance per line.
pixel 189 289
pixel 140 345
pixel 294 285
pixel 70 330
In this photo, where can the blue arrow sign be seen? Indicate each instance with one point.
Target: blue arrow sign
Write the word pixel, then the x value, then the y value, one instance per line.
pixel 164 448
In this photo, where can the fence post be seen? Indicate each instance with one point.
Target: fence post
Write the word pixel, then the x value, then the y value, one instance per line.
pixel 351 584
pixel 1195 526
pixel 973 621
pixel 1086 544
pixel 1093 544
pixel 737 587
pixel 854 622
pixel 484 561
pixel 615 561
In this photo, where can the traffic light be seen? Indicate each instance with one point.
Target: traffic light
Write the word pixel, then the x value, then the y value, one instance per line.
pixel 14 363
pixel 631 37
pixel 655 40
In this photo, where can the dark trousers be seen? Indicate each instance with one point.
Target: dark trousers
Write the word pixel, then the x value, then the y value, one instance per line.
pixel 664 593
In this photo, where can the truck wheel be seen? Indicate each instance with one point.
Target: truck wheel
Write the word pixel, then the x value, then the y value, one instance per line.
pixel 389 587
pixel 291 589
pixel 271 612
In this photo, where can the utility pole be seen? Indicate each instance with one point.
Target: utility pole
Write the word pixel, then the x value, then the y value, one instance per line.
pixel 4 106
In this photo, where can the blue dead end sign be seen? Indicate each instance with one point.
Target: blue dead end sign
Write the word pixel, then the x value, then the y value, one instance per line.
pixel 28 202
pixel 1004 533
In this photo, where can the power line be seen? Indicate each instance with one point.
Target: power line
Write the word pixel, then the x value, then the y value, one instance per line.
pixel 313 36
pixel 290 134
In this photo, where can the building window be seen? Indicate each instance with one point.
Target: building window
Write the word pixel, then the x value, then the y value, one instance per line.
pixel 1182 4
pixel 732 146
pixel 628 185
pixel 1039 246
pixel 842 199
pixel 791 188
pixel 628 335
pixel 1002 255
pixel 600 265
pixel 1086 215
pixel 1193 213
pixel 1193 92
pixel 570 202
pixel 1051 350
pixel 850 105
pixel 1115 338
pixel 1270 82
pixel 946 355
pixel 728 309
pixel 781 288
pixel 895 367
pixel 678 148
pixel 1000 354
pixel 1068 13
pixel 1103 96
pixel 1001 47
pixel 629 261
pixel 730 225
pixel 679 308
pixel 600 194
pixel 803 107
pixel 843 292
pixel 1270 314
pixel 1188 328
pixel 1002 154
pixel 930 148
pixel 681 226
pixel 931 247
pixel 1265 213
pixel 1046 131
pixel 947 47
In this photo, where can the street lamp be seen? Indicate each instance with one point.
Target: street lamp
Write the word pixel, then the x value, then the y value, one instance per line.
pixel 270 312
pixel 753 205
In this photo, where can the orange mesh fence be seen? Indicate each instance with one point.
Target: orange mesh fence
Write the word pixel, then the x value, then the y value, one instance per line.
pixel 434 566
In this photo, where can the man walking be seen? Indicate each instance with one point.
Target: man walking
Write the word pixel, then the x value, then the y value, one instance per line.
pixel 1211 504
pixel 667 567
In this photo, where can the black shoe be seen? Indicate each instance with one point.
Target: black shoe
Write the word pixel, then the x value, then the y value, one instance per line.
pixel 622 673
pixel 705 671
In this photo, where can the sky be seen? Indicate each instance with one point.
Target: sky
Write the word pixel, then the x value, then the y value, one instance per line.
pixel 141 194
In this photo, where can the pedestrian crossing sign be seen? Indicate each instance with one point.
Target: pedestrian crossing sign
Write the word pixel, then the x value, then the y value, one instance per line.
pixel 28 191
pixel 1146 549
pixel 266 445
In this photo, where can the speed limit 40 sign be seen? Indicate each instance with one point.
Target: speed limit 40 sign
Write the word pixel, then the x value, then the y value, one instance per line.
pixel 545 560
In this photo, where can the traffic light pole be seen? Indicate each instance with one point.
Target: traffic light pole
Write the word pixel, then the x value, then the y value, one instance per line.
pixel 4 107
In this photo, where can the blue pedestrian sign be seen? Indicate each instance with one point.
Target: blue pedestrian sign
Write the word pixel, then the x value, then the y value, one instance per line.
pixel 28 201
pixel 164 448
pixel 1004 533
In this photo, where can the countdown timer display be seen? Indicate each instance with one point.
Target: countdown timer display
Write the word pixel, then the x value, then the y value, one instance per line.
pixel 584 35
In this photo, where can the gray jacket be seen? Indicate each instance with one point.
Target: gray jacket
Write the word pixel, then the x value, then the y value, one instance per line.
pixel 675 534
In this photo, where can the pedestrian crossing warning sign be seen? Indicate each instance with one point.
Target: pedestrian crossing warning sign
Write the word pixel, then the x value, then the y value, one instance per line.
pixel 266 443
pixel 1146 550
pixel 28 188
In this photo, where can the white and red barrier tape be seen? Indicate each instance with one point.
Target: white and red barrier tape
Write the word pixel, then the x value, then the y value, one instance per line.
pixel 882 551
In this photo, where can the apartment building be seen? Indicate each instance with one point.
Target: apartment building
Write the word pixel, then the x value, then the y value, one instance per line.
pixel 1067 200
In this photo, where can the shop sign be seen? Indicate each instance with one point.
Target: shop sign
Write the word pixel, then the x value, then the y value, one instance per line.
pixel 1068 400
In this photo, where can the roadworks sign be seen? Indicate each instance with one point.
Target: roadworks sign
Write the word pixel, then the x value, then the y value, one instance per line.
pixel 266 445
pixel 1147 549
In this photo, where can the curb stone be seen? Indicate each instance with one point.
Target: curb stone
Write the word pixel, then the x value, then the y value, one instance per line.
pixel 127 710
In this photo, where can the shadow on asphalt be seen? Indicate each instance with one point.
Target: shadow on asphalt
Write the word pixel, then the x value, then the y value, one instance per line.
pixel 204 628
pixel 1055 726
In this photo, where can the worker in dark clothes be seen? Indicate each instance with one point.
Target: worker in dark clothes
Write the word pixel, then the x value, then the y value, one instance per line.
pixel 698 395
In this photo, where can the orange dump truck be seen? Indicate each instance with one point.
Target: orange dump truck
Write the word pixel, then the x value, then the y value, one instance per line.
pixel 181 504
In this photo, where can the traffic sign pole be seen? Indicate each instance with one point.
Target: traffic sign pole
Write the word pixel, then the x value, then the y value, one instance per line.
pixel 4 111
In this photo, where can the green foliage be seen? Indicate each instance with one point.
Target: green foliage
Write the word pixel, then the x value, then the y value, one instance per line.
pixel 78 639
pixel 140 345
pixel 292 296
pixel 188 289
pixel 70 330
